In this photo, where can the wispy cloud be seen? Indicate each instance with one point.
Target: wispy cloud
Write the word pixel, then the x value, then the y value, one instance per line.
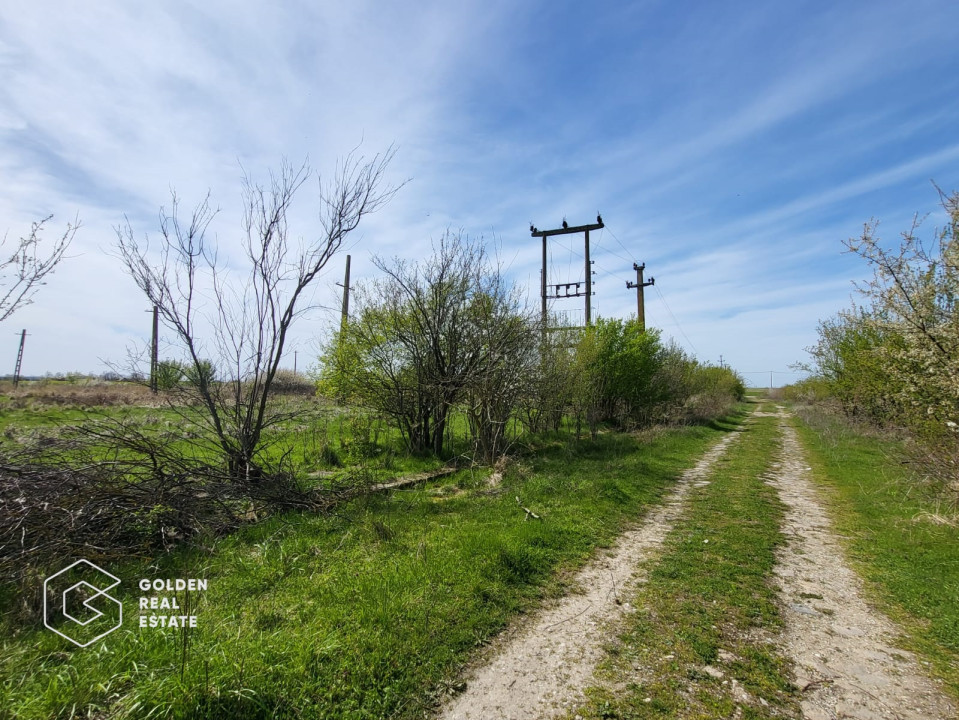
pixel 731 147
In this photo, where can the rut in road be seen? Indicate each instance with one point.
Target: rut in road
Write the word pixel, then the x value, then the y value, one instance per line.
pixel 845 662
pixel 539 669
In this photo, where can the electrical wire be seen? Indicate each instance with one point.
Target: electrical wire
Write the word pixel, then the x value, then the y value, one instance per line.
pixel 626 250
pixel 604 270
pixel 655 287
pixel 678 326
pixel 611 252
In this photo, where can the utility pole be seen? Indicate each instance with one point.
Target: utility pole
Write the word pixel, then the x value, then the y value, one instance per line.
pixel 346 295
pixel 544 283
pixel 542 278
pixel 721 365
pixel 154 352
pixel 16 371
pixel 640 299
pixel 589 281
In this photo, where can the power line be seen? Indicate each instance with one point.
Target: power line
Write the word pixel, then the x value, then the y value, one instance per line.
pixel 678 326
pixel 608 273
pixel 616 254
pixel 631 258
pixel 658 291
pixel 573 251
pixel 580 256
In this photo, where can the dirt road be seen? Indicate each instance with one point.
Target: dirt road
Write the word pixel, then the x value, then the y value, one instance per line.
pixel 846 663
pixel 842 650
pixel 540 669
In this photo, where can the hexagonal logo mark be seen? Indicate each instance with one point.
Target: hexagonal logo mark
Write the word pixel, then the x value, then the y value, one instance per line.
pixel 76 605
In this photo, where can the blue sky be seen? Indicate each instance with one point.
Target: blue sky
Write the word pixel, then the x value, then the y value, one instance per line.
pixel 730 146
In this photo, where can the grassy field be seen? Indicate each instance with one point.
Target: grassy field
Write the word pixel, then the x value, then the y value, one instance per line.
pixel 319 436
pixel 704 618
pixel 368 612
pixel 897 542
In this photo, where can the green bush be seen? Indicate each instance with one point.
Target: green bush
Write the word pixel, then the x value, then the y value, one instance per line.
pixel 814 389
pixel 169 374
pixel 634 379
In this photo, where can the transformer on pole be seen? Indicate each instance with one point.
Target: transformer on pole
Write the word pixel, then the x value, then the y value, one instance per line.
pixel 587 291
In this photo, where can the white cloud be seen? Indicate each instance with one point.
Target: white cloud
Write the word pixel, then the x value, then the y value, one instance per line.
pixel 729 154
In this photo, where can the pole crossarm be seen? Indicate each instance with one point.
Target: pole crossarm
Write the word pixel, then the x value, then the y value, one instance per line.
pixel 640 268
pixel 565 287
pixel 566 230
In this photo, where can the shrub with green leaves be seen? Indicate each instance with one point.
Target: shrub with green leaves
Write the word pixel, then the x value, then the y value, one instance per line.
pixel 169 374
pixel 630 377
pixel 896 358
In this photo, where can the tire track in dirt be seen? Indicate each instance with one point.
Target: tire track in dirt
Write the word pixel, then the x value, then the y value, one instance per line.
pixel 846 663
pixel 539 669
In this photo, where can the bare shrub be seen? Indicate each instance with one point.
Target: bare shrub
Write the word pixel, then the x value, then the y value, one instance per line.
pixel 433 335
pixel 231 372
pixel 706 406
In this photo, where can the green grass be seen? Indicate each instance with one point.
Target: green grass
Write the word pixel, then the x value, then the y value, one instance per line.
pixel 368 613
pixel 704 617
pixel 910 562
pixel 319 436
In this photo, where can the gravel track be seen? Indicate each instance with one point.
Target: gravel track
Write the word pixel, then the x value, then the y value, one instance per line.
pixel 846 661
pixel 539 668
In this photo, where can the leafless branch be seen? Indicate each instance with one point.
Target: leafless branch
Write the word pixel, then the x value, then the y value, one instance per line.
pixel 23 271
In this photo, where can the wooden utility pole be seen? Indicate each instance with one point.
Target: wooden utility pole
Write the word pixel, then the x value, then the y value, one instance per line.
pixel 16 371
pixel 346 296
pixel 589 282
pixel 640 299
pixel 542 277
pixel 154 352
pixel 544 282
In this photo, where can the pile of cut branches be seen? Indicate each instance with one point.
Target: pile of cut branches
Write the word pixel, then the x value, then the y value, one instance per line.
pixel 108 491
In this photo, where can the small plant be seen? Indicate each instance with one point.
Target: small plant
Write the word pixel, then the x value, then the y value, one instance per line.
pixel 362 445
pixel 169 374
pixel 388 461
pixel 329 456
pixel 382 531
pixel 519 563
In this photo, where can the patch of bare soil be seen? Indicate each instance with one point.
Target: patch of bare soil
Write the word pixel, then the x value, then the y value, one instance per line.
pixel 539 668
pixel 846 661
